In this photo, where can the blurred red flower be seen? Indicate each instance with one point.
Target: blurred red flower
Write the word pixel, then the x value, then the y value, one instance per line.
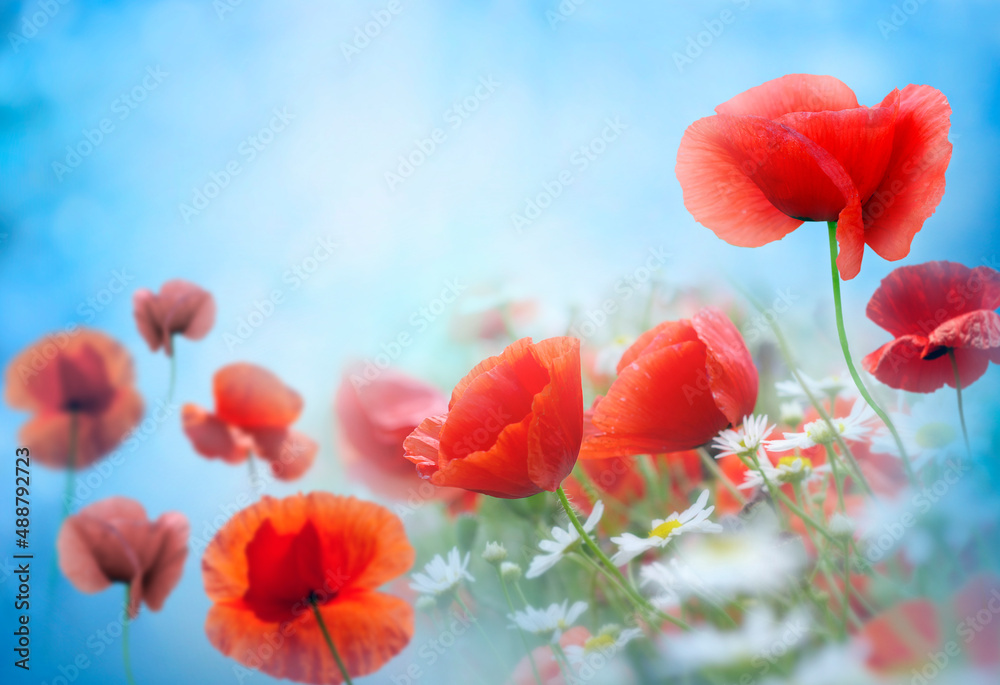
pixel 253 412
pixel 374 417
pixel 80 388
pixel 903 637
pixel 112 541
pixel 272 561
pixel 514 424
pixel 549 668
pixel 933 309
pixel 180 308
pixel 678 385
pixel 801 148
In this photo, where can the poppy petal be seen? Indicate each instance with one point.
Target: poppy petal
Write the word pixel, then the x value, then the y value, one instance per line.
pixel 557 430
pixel 147 318
pixel 423 445
pixel 899 365
pixel 187 309
pixel 978 330
pixel 289 452
pixel 860 139
pixel 164 570
pixel 915 178
pixel 732 375
pixel 642 414
pixel 791 93
pixel 663 334
pixel 249 396
pixel 368 629
pixel 719 190
pixel 211 437
pixel 902 637
pixel 915 300
pixel 492 472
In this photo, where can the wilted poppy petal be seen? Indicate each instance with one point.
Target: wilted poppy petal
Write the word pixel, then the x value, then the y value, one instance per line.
pixel 211 437
pixel 915 178
pixel 249 396
pixel 791 93
pixel 732 375
pixel 719 190
pixel 289 452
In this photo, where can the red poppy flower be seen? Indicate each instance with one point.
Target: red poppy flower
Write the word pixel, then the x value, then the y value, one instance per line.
pixel 112 541
pixel 267 566
pixel 801 148
pixel 932 309
pixel 179 308
pixel 253 412
pixel 77 382
pixel 902 637
pixel 678 385
pixel 978 603
pixel 514 424
pixel 375 416
pixel 549 668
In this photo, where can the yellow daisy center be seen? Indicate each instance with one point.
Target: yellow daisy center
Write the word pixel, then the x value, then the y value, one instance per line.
pixel 936 435
pixel 598 642
pixel 665 529
pixel 790 462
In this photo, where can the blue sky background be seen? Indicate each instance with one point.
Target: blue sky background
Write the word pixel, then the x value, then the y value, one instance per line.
pixel 64 235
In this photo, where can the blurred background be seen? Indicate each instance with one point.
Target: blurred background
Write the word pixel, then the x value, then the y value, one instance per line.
pixel 364 161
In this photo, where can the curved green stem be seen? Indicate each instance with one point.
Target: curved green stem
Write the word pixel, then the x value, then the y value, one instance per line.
pixel 329 641
pixel 842 333
pixel 958 392
pixel 637 599
pixel 125 651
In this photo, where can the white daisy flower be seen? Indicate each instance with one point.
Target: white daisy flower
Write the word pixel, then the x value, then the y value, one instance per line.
pixel 607 643
pixel 761 635
pixel 694 519
pixel 755 561
pixel 831 386
pixel 791 413
pixel 851 427
pixel 930 432
pixel 562 540
pixel 440 576
pixel 746 441
pixel 549 622
pixel 797 469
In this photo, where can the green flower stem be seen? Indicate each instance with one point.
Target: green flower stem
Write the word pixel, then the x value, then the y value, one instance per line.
pixel 125 651
pixel 775 491
pixel 842 333
pixel 958 392
pixel 468 614
pixel 74 430
pixel 793 366
pixel 838 477
pixel 716 470
pixel 786 500
pixel 329 641
pixel 524 638
pixel 638 600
